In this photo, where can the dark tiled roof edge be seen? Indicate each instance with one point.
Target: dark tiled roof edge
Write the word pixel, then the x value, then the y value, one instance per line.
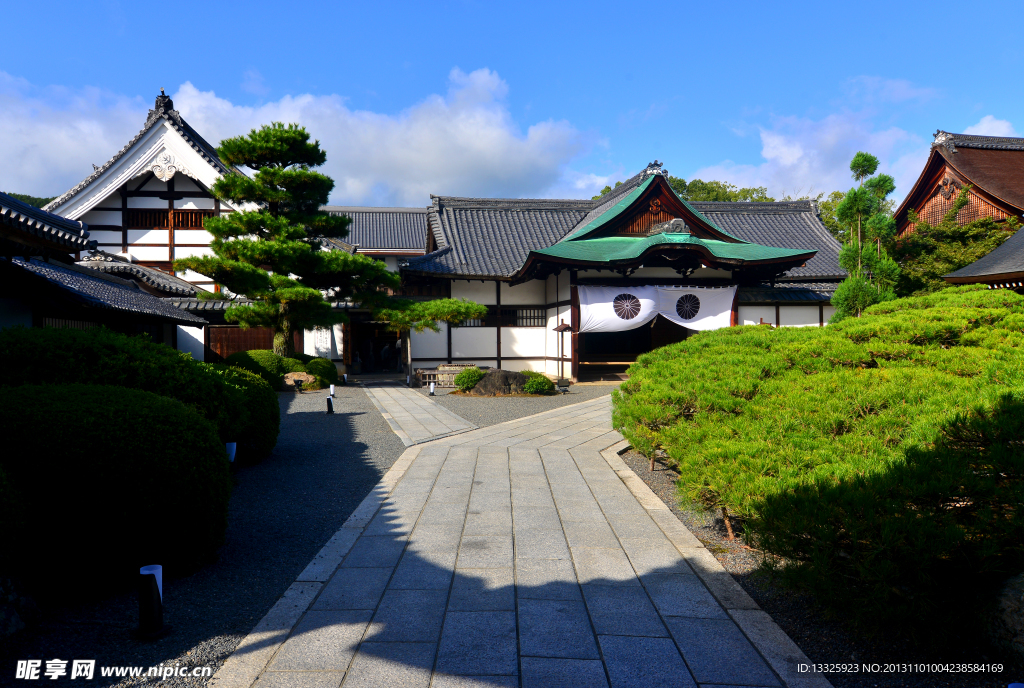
pixel 151 276
pixel 71 234
pixel 951 141
pixel 369 209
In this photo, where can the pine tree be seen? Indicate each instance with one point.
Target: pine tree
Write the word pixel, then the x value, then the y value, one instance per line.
pixel 273 250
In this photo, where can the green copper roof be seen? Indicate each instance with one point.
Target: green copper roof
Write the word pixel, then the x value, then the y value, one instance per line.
pixel 613 249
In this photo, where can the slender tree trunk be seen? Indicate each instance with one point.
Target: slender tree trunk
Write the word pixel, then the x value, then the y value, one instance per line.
pixel 860 247
pixel 284 341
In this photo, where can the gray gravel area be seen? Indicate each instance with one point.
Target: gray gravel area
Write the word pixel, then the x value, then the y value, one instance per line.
pixel 484 411
pixel 282 512
pixel 823 640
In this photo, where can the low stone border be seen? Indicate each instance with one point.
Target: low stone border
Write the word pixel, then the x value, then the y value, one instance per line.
pixel 763 633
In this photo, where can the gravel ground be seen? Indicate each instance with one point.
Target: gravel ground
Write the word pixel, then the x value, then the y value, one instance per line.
pixel 282 512
pixel 484 411
pixel 824 641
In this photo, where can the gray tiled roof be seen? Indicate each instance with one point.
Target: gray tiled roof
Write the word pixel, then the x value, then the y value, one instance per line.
pixel 784 224
pixel 485 237
pixel 1006 258
pixel 390 229
pixel 158 279
pixel 951 141
pixel 193 305
pixel 69 235
pixel 98 290
pixel 162 111
pixel 787 291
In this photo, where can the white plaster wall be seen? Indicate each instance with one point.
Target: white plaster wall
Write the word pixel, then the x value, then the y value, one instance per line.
pixel 550 289
pixel 798 316
pixel 190 340
pixel 143 202
pixel 337 342
pixel 104 236
pixel 183 183
pixel 564 288
pixel 429 344
pixel 537 365
pixel 190 276
pixel 155 184
pixel 391 262
pixel 528 293
pixel 148 236
pixel 103 217
pixel 472 342
pixel 150 253
pixel 748 315
pixel 523 341
pixel 192 203
pixel 478 292
pixel 192 251
pixel 192 236
pixel 432 363
pixel 829 312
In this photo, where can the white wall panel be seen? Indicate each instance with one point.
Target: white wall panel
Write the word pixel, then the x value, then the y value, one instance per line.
pixel 749 315
pixel 183 183
pixel 192 236
pixel 104 236
pixel 798 316
pixel 148 203
pixel 527 293
pixel 474 342
pixel 155 184
pixel 102 217
pixel 829 312
pixel 193 203
pixel 190 276
pixel 192 251
pixel 429 344
pixel 190 340
pixel 148 236
pixel 478 292
pixel 523 341
pixel 537 365
pixel 564 288
pixel 149 253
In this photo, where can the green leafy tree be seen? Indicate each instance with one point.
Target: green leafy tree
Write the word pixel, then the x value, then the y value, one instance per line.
pixel 700 190
pixel 273 250
pixel 931 251
pixel 37 201
pixel 827 213
pixel 872 276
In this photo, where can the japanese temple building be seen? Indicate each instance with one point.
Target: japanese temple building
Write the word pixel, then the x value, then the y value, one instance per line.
pixel 630 271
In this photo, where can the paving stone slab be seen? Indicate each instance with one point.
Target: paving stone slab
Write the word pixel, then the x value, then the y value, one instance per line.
pixel 322 641
pixel 485 551
pixel 447 681
pixel 388 665
pixel 300 679
pixel 408 616
pixel 546 672
pixel 541 544
pixel 555 628
pixel 603 566
pixel 475 643
pixel 546 579
pixel 717 652
pixel 623 610
pixel 374 552
pixel 354 589
pixel 482 590
pixel 682 594
pixel 644 663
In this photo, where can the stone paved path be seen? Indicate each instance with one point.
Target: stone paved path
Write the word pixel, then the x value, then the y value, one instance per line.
pixel 522 554
pixel 413 417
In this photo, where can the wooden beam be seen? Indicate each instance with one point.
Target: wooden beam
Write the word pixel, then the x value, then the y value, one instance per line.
pixel 124 211
pixel 734 310
pixel 575 317
pixel 497 296
pixel 821 315
pixel 778 323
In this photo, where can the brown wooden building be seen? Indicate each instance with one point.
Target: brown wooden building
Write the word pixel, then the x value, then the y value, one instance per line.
pixel 993 166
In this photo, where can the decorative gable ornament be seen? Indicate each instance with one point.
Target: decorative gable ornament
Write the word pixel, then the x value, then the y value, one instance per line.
pixel 948 187
pixel 164 166
pixel 674 226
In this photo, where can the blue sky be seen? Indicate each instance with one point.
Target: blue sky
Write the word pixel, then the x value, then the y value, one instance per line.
pixel 526 99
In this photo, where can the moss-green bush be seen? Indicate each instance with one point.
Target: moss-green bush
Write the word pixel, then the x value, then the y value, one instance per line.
pixel 107 479
pixel 272 368
pixel 537 384
pixel 467 379
pixel 824 440
pixel 258 437
pixel 32 356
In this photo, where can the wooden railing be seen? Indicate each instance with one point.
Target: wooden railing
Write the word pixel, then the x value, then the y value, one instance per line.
pixel 156 219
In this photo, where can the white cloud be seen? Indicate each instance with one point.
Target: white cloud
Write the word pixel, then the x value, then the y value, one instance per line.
pixel 990 126
pixel 875 89
pixel 805 156
pixel 462 143
pixel 252 82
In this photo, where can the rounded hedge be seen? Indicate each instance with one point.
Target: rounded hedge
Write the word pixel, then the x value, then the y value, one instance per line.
pixel 467 379
pixel 538 383
pixel 124 479
pixel 272 368
pixel 34 356
pixel 258 437
pixel 324 370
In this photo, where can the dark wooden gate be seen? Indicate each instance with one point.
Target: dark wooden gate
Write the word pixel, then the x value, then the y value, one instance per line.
pixel 224 340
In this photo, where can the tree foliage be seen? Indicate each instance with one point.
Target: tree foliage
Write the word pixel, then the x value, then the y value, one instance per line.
pixel 700 190
pixel 37 201
pixel 272 251
pixel 931 251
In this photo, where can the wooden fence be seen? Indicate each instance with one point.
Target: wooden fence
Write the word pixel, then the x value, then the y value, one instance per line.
pixel 224 340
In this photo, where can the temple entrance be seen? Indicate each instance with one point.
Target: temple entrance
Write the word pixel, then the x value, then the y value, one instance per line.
pixel 374 347
pixel 607 355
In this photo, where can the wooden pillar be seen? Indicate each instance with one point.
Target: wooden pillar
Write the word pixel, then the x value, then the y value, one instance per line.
pixel 734 315
pixel 448 326
pixel 497 321
pixel 575 314
pixel 778 323
pixel 124 218
pixel 821 314
pixel 170 223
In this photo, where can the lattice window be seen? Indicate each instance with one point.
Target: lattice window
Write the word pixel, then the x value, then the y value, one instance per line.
pixel 523 317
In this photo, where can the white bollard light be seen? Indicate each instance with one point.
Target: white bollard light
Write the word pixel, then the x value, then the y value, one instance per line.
pixel 344 376
pixel 431 389
pixel 151 601
pixel 231 447
pixel 332 390
pixel 408 379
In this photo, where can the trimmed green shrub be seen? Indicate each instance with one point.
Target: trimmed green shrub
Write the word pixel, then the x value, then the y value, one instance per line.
pixel 834 445
pixel 259 436
pixel 129 478
pixel 32 356
pixel 537 384
pixel 467 379
pixel 272 367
